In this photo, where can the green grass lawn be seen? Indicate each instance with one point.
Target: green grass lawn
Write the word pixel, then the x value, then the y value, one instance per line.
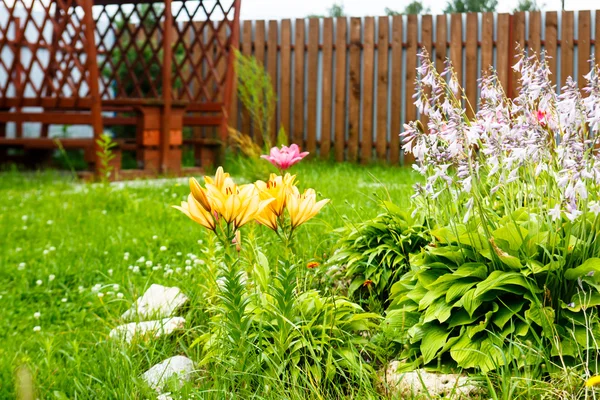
pixel 80 254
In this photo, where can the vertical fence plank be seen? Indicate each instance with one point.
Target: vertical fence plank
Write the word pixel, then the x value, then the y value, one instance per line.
pixel 247 51
pixel 426 43
pixel 312 78
pixel 566 46
pixel 272 51
pixel 487 41
pixel 383 42
pixel 441 41
pixel 515 48
pixel 550 43
pixel 298 136
pixel 471 72
pixel 411 65
pixel 456 45
pixel 535 31
pixel 326 89
pixel 340 87
pixel 503 50
pixel 286 76
pixel 396 93
pixel 354 82
pixel 367 96
pixel 583 46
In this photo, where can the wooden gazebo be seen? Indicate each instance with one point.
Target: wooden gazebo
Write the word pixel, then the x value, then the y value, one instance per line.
pixel 155 67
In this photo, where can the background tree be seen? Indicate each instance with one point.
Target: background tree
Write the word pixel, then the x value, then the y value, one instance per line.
pixel 415 7
pixel 528 5
pixel 336 10
pixel 463 6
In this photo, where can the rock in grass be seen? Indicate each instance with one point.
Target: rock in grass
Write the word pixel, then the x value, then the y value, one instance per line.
pixel 158 302
pixel 179 367
pixel 413 383
pixel 155 329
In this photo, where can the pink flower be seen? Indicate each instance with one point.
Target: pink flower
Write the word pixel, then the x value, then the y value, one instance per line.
pixel 542 117
pixel 285 157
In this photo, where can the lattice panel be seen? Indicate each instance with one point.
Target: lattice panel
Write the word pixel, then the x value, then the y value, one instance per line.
pixel 43 58
pixel 130 59
pixel 200 56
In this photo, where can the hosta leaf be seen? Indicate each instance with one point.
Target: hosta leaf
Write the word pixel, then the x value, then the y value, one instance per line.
pixel 466 352
pixel 399 321
pixel 356 284
pixel 439 310
pixel 458 289
pixel 511 234
pixel 469 301
pixel 452 253
pixel 434 338
pixel 542 316
pixel 590 267
pixel 462 317
pixel 581 301
pixel 506 311
pixel 500 279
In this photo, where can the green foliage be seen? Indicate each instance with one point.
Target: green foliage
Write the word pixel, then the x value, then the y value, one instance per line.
pixel 375 253
pixel 414 7
pixel 464 6
pixel 336 11
pixel 105 156
pixel 467 298
pixel 255 91
pixel 527 5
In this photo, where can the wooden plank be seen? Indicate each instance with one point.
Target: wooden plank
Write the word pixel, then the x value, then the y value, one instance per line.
pixel 456 45
pixel 503 50
pixel 471 73
pixel 487 41
pixel 286 76
pixel 312 81
pixel 441 42
pixel 426 43
pixel 367 96
pixel 535 31
pixel 411 65
pixel 516 47
pixel 583 47
pixel 340 88
pixel 383 42
pixel 272 44
pixel 566 46
pixel 259 55
pixel 396 91
pixel 298 136
pixel 247 51
pixel 326 90
pixel 354 82
pixel 550 43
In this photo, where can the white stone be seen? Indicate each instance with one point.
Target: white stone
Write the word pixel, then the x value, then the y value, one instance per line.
pixel 156 329
pixel 179 366
pixel 413 383
pixel 158 302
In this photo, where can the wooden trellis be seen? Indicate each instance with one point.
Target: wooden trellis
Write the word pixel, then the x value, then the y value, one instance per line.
pixel 158 66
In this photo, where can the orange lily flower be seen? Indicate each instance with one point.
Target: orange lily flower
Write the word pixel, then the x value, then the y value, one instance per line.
pixel 196 212
pixel 303 207
pixel 277 187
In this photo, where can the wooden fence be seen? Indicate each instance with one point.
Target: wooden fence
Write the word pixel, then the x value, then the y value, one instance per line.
pixel 345 85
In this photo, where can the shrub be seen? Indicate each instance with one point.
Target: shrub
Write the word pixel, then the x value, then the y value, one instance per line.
pixel 513 200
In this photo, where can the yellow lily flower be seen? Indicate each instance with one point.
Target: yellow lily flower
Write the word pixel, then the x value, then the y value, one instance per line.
pixel 267 218
pixel 593 381
pixel 221 179
pixel 237 205
pixel 303 207
pixel 199 194
pixel 196 212
pixel 277 187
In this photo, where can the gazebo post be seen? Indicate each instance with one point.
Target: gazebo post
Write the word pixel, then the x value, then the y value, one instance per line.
pixel 92 65
pixel 165 139
pixel 227 96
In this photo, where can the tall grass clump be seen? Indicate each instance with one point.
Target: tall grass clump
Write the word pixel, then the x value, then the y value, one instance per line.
pixel 510 198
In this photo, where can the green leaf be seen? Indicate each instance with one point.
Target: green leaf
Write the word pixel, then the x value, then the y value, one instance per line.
pixel 506 312
pixel 500 280
pixel 512 234
pixel 434 339
pixel 591 266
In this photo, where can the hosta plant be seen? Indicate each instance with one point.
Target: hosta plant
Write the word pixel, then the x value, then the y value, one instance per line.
pixel 512 199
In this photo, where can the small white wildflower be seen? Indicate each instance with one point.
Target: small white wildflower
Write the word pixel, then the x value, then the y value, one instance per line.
pixel 141 259
pixel 120 295
pixel 24 218
pixel 96 288
pixel 106 253
pixel 126 254
pixel 45 252
pixel 178 270
pixel 52 248
pixel 22 266
pixel 148 263
pixel 130 267
pixel 555 212
pixel 18 249
pixel 154 237
pixel 37 328
pixel 594 207
pixel 168 272
pixel 103 212
pixel 200 241
pixel 51 277
pixel 37 315
pixel 24 227
pixel 163 248
pixel 136 269
pixel 110 293
pixel 188 268
pixel 126 257
pixel 81 289
pixel 198 261
pixel 174 195
pixel 156 268
pixel 116 287
pixel 39 282
pixel 178 253
pixel 110 272
pixel 64 300
pixel 100 294
pixel 188 262
pixel 49 222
